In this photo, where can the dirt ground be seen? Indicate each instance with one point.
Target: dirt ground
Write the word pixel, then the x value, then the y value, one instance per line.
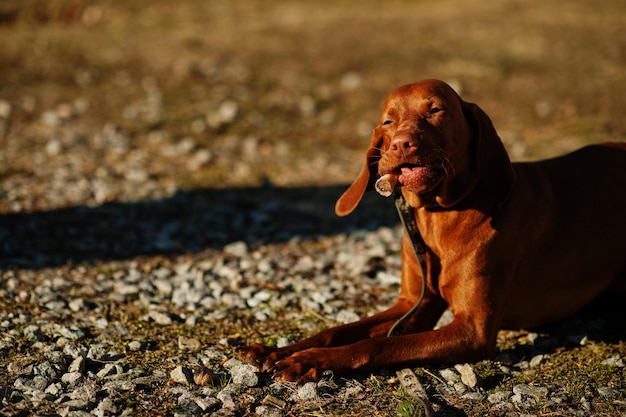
pixel 308 77
pixel 116 101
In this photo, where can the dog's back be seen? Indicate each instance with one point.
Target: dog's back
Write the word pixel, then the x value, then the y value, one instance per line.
pixel 574 232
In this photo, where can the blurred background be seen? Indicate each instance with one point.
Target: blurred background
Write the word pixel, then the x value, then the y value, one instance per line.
pixel 113 101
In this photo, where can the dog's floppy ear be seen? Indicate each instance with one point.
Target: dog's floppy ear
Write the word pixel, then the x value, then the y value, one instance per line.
pixel 365 181
pixel 494 168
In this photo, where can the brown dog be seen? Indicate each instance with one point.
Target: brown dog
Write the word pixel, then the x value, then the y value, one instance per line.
pixel 514 245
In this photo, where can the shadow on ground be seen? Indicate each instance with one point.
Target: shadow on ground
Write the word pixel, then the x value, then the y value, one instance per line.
pixel 600 321
pixel 187 222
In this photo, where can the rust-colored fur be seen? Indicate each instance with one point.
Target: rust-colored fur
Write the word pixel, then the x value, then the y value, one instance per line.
pixel 508 244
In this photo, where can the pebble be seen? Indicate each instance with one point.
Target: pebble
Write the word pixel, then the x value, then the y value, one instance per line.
pixel 347 316
pixel 245 375
pixel 135 346
pixel 473 396
pixel 72 333
pixel 238 249
pixel 468 377
pixel 182 375
pixel 77 365
pixel 608 392
pixel 226 396
pixel 530 390
pixel 5 109
pixel 449 375
pixel 188 343
pixel 536 361
pixel 207 404
pixel 160 318
pixel 614 361
pixel 71 378
pixel 498 397
pixel 108 370
pixel 528 395
pixel 307 392
pixel 267 411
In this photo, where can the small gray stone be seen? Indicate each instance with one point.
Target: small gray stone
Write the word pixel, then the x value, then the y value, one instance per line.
pixel 449 375
pixel 530 391
pixel 188 343
pixel 188 407
pixel 32 333
pixel 85 392
pixel 72 333
pixel 134 346
pixel 97 351
pixel 614 361
pixel 517 398
pixel 120 385
pixel 48 369
pixel 238 249
pixel 125 288
pixel 71 378
pixel 74 351
pixel 207 404
pixel 214 353
pixel 460 387
pixel 226 395
pixel 77 365
pixel 182 375
pixel 74 405
pixel 5 109
pixel 536 361
pixel 21 370
pixel 76 304
pixel 231 363
pixel 473 396
pixel 347 316
pixel 55 389
pixel 608 392
pixel 106 407
pixel 108 370
pixel 268 411
pixel 282 342
pixel 245 375
pixel 160 318
pixel 23 384
pixel 468 377
pixel 307 392
pixel 39 383
pixel 498 397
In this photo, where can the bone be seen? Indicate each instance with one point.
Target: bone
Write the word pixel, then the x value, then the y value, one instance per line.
pixel 385 184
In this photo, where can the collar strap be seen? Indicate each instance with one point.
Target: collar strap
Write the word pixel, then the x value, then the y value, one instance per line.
pixel 407 216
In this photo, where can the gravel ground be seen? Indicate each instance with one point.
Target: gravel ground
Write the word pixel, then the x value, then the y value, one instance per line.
pixel 167 193
pixel 121 309
pixel 138 307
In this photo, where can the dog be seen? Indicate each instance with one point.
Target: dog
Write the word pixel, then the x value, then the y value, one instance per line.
pixel 512 245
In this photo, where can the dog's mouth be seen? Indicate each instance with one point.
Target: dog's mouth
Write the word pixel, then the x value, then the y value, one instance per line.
pixel 417 178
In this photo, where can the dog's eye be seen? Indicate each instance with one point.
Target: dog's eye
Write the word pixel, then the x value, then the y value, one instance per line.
pixel 434 110
pixel 388 122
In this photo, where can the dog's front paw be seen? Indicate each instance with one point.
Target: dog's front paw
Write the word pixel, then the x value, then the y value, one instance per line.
pixel 304 366
pixel 258 355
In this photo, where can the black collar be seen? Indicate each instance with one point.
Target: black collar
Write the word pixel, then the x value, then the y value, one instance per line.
pixel 407 216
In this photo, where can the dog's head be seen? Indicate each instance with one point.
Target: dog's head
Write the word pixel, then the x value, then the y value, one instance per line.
pixel 436 146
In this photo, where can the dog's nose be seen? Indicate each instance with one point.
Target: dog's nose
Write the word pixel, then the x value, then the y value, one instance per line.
pixel 403 145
